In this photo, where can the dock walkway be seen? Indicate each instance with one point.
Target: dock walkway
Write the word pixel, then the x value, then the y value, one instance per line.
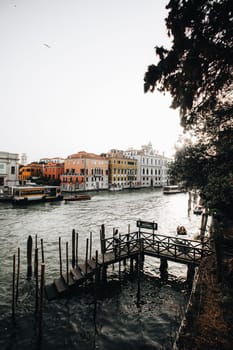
pixel 131 246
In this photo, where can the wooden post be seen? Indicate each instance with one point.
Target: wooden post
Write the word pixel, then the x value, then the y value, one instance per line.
pixel 73 247
pixel 119 252
pixel 203 226
pixel 163 269
pixel 29 257
pixel 13 288
pixel 90 245
pixel 102 239
pixel 17 279
pixel 67 264
pixel 42 250
pixel 34 255
pixel 87 241
pixel 36 273
pixel 97 273
pixel 42 284
pixel 76 253
pixel 60 257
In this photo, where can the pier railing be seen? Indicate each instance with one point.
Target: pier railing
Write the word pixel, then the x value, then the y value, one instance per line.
pixel 173 248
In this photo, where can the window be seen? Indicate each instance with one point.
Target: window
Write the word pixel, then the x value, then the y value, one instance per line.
pixel 13 170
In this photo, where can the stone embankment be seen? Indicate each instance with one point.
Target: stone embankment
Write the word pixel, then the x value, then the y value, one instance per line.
pixel 208 322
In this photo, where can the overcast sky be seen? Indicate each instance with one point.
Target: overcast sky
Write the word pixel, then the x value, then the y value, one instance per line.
pixel 71 77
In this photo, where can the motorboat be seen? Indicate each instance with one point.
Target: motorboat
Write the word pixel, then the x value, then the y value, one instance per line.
pixel 80 197
pixel 198 210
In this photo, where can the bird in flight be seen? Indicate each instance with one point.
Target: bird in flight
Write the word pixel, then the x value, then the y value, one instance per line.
pixel 47 46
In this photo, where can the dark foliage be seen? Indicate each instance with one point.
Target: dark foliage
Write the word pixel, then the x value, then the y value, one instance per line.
pixel 197 71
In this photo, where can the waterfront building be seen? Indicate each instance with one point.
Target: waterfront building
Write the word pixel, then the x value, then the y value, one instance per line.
pixel 84 172
pixel 152 168
pixel 122 170
pixel 31 171
pixel 57 160
pixel 9 165
pixel 53 170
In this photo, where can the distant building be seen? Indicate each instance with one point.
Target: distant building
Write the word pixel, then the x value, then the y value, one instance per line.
pixel 152 168
pixel 53 170
pixel 57 160
pixel 9 165
pixel 30 171
pixel 84 172
pixel 122 170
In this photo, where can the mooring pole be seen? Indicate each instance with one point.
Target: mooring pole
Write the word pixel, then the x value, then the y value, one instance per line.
pixel 60 257
pixel 17 279
pixel 42 250
pixel 67 264
pixel 87 241
pixel 73 247
pixel 42 284
pixel 76 253
pixel 36 273
pixel 90 245
pixel 13 288
pixel 29 257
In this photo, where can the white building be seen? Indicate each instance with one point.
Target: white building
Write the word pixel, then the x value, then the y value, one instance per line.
pixel 9 169
pixel 152 167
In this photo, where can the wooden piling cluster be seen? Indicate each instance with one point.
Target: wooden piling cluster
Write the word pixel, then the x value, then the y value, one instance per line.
pixel 39 280
pixel 93 268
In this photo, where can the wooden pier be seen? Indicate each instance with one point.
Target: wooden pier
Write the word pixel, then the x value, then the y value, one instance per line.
pixel 131 247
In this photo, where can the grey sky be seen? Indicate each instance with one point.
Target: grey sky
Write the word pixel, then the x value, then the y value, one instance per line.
pixel 71 77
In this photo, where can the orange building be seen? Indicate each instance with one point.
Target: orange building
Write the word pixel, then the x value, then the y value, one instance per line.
pixel 33 170
pixel 53 171
pixel 84 171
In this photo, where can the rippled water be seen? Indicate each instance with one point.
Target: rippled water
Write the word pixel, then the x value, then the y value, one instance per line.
pixel 114 320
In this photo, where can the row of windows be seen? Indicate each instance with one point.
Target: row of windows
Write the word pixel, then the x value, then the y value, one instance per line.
pixel 123 171
pixel 152 171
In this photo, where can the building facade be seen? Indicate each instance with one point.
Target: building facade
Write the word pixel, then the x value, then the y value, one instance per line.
pixel 152 168
pixel 122 170
pixel 53 171
pixel 30 171
pixel 84 172
pixel 9 167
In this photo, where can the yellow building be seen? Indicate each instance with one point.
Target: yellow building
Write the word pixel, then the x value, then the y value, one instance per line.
pixel 122 170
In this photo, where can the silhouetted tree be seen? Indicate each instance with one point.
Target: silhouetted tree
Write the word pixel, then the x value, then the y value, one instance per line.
pixel 197 71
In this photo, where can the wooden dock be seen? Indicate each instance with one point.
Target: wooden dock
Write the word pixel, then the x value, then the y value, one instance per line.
pixel 131 247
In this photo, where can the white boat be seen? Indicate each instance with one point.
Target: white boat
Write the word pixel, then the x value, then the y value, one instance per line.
pixel 34 194
pixel 115 188
pixel 172 189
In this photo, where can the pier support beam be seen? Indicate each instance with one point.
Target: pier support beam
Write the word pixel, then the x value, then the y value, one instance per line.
pixel 163 269
pixel 190 274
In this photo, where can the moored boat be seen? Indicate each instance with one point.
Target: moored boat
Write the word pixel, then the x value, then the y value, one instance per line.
pixel 80 197
pixel 171 189
pixel 34 194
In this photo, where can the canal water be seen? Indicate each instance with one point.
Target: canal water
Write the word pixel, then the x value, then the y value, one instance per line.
pixel 115 319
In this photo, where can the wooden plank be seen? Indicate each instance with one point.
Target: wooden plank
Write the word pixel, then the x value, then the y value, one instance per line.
pixel 71 281
pixel 85 269
pixel 60 285
pixel 92 264
pixel 77 275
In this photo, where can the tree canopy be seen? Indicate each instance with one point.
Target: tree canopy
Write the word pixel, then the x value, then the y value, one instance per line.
pixel 197 71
